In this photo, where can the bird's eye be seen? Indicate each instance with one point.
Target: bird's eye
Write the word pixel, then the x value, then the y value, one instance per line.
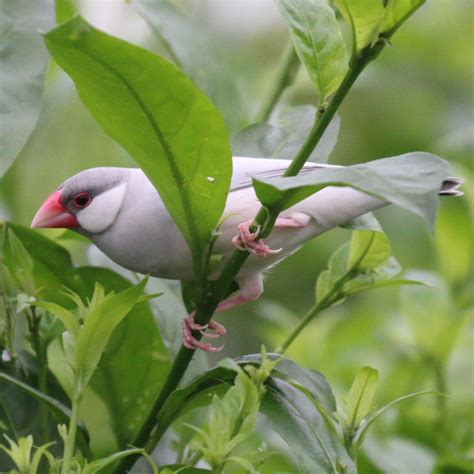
pixel 82 200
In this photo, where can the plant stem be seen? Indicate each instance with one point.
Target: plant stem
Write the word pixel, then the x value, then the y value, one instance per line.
pixel 265 219
pixel 442 402
pixel 40 352
pixel 331 297
pixel 287 72
pixel 70 444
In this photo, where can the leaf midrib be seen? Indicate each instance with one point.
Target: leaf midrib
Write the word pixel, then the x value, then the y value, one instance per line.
pixel 359 400
pixel 195 244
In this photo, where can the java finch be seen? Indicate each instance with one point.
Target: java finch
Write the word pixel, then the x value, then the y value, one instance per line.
pixel 122 213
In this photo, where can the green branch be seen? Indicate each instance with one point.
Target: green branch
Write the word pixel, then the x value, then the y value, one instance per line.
pixel 70 442
pixel 148 436
pixel 331 297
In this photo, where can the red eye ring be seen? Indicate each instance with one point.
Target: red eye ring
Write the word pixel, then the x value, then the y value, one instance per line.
pixel 82 200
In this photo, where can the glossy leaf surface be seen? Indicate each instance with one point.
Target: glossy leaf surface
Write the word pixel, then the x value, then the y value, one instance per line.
pixel 167 125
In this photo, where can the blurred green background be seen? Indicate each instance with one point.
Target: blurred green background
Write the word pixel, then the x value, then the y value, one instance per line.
pixel 417 96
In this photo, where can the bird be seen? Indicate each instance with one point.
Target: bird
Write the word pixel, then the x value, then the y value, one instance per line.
pixel 122 213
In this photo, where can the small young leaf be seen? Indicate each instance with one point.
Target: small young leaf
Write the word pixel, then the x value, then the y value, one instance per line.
pixel 369 249
pixel 397 11
pixel 361 394
pixel 68 318
pixel 105 316
pixel 99 464
pixel 318 42
pixel 160 117
pixel 364 17
pixel 337 268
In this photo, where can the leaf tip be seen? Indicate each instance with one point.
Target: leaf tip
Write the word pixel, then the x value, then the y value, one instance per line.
pixel 71 30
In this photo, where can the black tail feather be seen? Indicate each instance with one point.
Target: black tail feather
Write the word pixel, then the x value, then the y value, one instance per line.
pixel 450 187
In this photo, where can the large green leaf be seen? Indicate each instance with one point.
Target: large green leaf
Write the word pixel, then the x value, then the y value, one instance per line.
pixel 365 17
pixel 284 136
pixel 200 390
pixel 314 382
pixel 212 69
pixel 23 62
pixel 157 114
pixel 312 440
pixel 411 181
pixel 318 42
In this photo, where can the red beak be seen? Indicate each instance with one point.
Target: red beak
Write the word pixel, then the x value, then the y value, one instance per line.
pixel 53 214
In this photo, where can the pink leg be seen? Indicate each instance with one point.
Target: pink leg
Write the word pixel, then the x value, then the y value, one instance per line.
pixel 251 289
pixel 248 241
pixel 189 341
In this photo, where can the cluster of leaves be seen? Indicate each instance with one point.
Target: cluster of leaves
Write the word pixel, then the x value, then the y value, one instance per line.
pixel 175 133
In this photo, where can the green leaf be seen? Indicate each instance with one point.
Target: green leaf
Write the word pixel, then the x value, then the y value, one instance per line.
pixel 397 11
pixel 360 396
pixel 362 431
pixel 314 382
pixel 364 17
pixel 52 265
pixel 337 268
pixel 181 469
pixel 231 420
pixel 67 317
pixel 23 62
pixel 166 124
pixel 99 325
pixel 411 181
pixel 99 464
pixel 65 9
pixel 129 375
pixel 61 412
pixel 21 264
pixel 364 222
pixel 296 419
pixel 318 41
pixel 213 70
pixel 39 453
pixel 369 249
pixel 284 136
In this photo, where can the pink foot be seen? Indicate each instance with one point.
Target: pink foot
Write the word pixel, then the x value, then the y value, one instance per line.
pixel 189 341
pixel 246 240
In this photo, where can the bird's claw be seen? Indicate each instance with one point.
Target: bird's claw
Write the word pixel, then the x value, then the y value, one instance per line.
pixel 189 341
pixel 246 240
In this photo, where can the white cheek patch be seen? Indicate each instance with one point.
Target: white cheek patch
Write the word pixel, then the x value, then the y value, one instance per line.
pixel 103 210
